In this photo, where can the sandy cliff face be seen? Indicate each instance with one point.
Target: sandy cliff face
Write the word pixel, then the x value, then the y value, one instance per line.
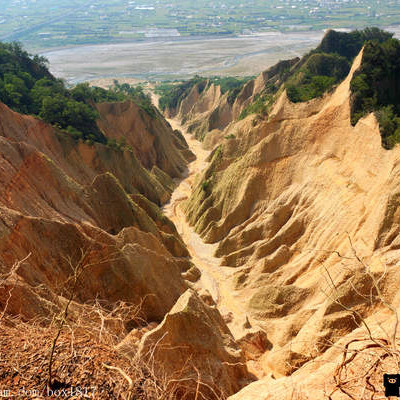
pixel 151 138
pixel 204 111
pixel 65 204
pixel 81 223
pixel 193 341
pixel 304 206
pixel 208 113
pixel 80 161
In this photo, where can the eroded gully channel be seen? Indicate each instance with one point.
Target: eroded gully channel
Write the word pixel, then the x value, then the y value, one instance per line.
pixel 214 278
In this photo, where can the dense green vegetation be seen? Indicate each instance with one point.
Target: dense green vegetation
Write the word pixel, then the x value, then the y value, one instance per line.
pixel 27 86
pixel 376 88
pixel 327 65
pixel 319 73
pixel 83 92
pixel 349 44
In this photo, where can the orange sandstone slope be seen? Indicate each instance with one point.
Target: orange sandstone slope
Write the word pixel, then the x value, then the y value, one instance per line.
pixel 81 230
pixel 304 207
pixel 59 200
pixel 207 113
pixel 151 138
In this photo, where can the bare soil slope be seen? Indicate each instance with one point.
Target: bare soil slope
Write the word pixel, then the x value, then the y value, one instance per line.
pixel 89 261
pixel 209 114
pixel 151 138
pixel 63 204
pixel 303 207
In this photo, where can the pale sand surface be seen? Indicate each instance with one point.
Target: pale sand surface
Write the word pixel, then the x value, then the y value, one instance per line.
pixel 215 279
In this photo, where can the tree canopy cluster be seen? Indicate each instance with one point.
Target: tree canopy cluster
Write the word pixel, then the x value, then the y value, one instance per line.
pixel 327 65
pixel 319 73
pixel 349 44
pixel 376 88
pixel 27 86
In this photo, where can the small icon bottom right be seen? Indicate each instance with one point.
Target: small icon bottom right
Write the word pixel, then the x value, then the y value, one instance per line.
pixel 392 385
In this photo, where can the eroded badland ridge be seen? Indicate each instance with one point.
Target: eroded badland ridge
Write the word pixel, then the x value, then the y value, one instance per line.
pixel 266 267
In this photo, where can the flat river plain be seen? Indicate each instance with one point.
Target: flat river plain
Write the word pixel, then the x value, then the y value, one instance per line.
pixel 165 59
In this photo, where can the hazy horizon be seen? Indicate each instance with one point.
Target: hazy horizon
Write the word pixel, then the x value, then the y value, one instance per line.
pixel 146 39
pixel 43 24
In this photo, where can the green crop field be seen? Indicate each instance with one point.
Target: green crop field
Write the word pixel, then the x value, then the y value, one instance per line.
pixel 43 24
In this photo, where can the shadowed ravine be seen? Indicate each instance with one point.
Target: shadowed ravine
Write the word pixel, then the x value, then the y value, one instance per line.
pixel 214 278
